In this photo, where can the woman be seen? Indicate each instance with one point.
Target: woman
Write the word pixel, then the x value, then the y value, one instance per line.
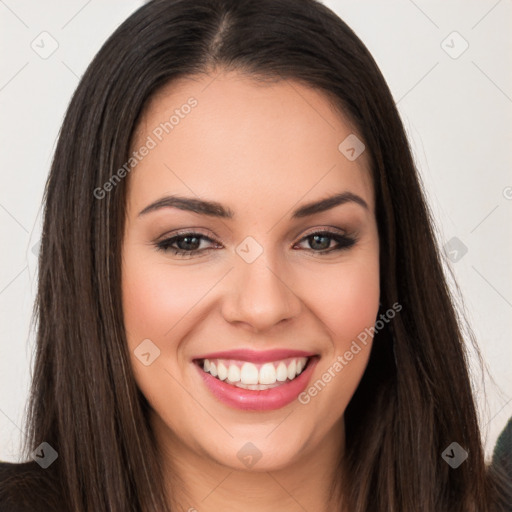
pixel 241 304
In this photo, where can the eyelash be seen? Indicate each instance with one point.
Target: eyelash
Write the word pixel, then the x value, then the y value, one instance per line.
pixel 344 242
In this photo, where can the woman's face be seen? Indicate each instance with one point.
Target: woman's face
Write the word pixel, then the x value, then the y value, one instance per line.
pixel 257 287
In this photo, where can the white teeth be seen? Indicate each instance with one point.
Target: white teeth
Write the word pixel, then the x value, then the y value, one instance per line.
pixel 292 369
pixel 256 387
pixel 248 375
pixel 282 372
pixel 222 371
pixel 233 373
pixel 268 374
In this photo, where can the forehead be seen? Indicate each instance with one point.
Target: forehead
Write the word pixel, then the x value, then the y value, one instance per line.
pixel 231 138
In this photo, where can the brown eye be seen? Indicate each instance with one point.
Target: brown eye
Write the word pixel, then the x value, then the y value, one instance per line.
pixel 185 244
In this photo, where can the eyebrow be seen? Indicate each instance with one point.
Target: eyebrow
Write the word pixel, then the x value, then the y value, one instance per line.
pixel 215 209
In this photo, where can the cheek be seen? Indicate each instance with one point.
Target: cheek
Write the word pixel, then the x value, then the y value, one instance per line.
pixel 157 297
pixel 347 302
pixel 346 299
pixel 158 302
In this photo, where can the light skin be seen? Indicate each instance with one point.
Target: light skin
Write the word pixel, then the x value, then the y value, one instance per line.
pixel 261 150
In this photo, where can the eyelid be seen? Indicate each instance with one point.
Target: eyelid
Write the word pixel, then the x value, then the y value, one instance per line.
pixel 321 229
pixel 213 238
pixel 343 239
pixel 184 232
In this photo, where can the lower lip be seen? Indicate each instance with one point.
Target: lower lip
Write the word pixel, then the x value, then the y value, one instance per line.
pixel 264 400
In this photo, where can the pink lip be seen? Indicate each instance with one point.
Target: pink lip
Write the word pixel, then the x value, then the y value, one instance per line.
pixel 254 356
pixel 265 400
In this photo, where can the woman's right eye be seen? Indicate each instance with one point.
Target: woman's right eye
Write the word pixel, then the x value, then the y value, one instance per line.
pixel 186 244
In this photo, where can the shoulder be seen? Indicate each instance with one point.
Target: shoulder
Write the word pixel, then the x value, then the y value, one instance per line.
pixel 502 454
pixel 27 487
pixel 501 469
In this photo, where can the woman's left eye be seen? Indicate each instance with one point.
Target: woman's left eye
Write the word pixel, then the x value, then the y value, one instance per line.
pixel 322 240
pixel 189 244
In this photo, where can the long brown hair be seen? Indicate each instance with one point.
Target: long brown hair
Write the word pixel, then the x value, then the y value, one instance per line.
pixel 415 397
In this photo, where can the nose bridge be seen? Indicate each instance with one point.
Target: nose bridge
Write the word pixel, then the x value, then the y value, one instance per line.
pixel 262 297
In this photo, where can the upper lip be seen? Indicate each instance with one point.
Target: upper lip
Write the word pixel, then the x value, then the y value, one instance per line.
pixel 256 356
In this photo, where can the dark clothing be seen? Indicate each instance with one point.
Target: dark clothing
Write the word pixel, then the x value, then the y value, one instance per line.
pixel 502 455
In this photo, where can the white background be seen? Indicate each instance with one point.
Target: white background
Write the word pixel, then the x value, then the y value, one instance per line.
pixel 457 112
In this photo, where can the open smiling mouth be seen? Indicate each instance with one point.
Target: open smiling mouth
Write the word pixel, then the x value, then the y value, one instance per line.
pixel 253 376
pixel 256 386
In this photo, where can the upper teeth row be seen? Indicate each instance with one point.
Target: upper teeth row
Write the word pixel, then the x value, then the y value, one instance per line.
pixel 250 373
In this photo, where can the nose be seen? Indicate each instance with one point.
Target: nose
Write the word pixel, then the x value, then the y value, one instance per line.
pixel 259 297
